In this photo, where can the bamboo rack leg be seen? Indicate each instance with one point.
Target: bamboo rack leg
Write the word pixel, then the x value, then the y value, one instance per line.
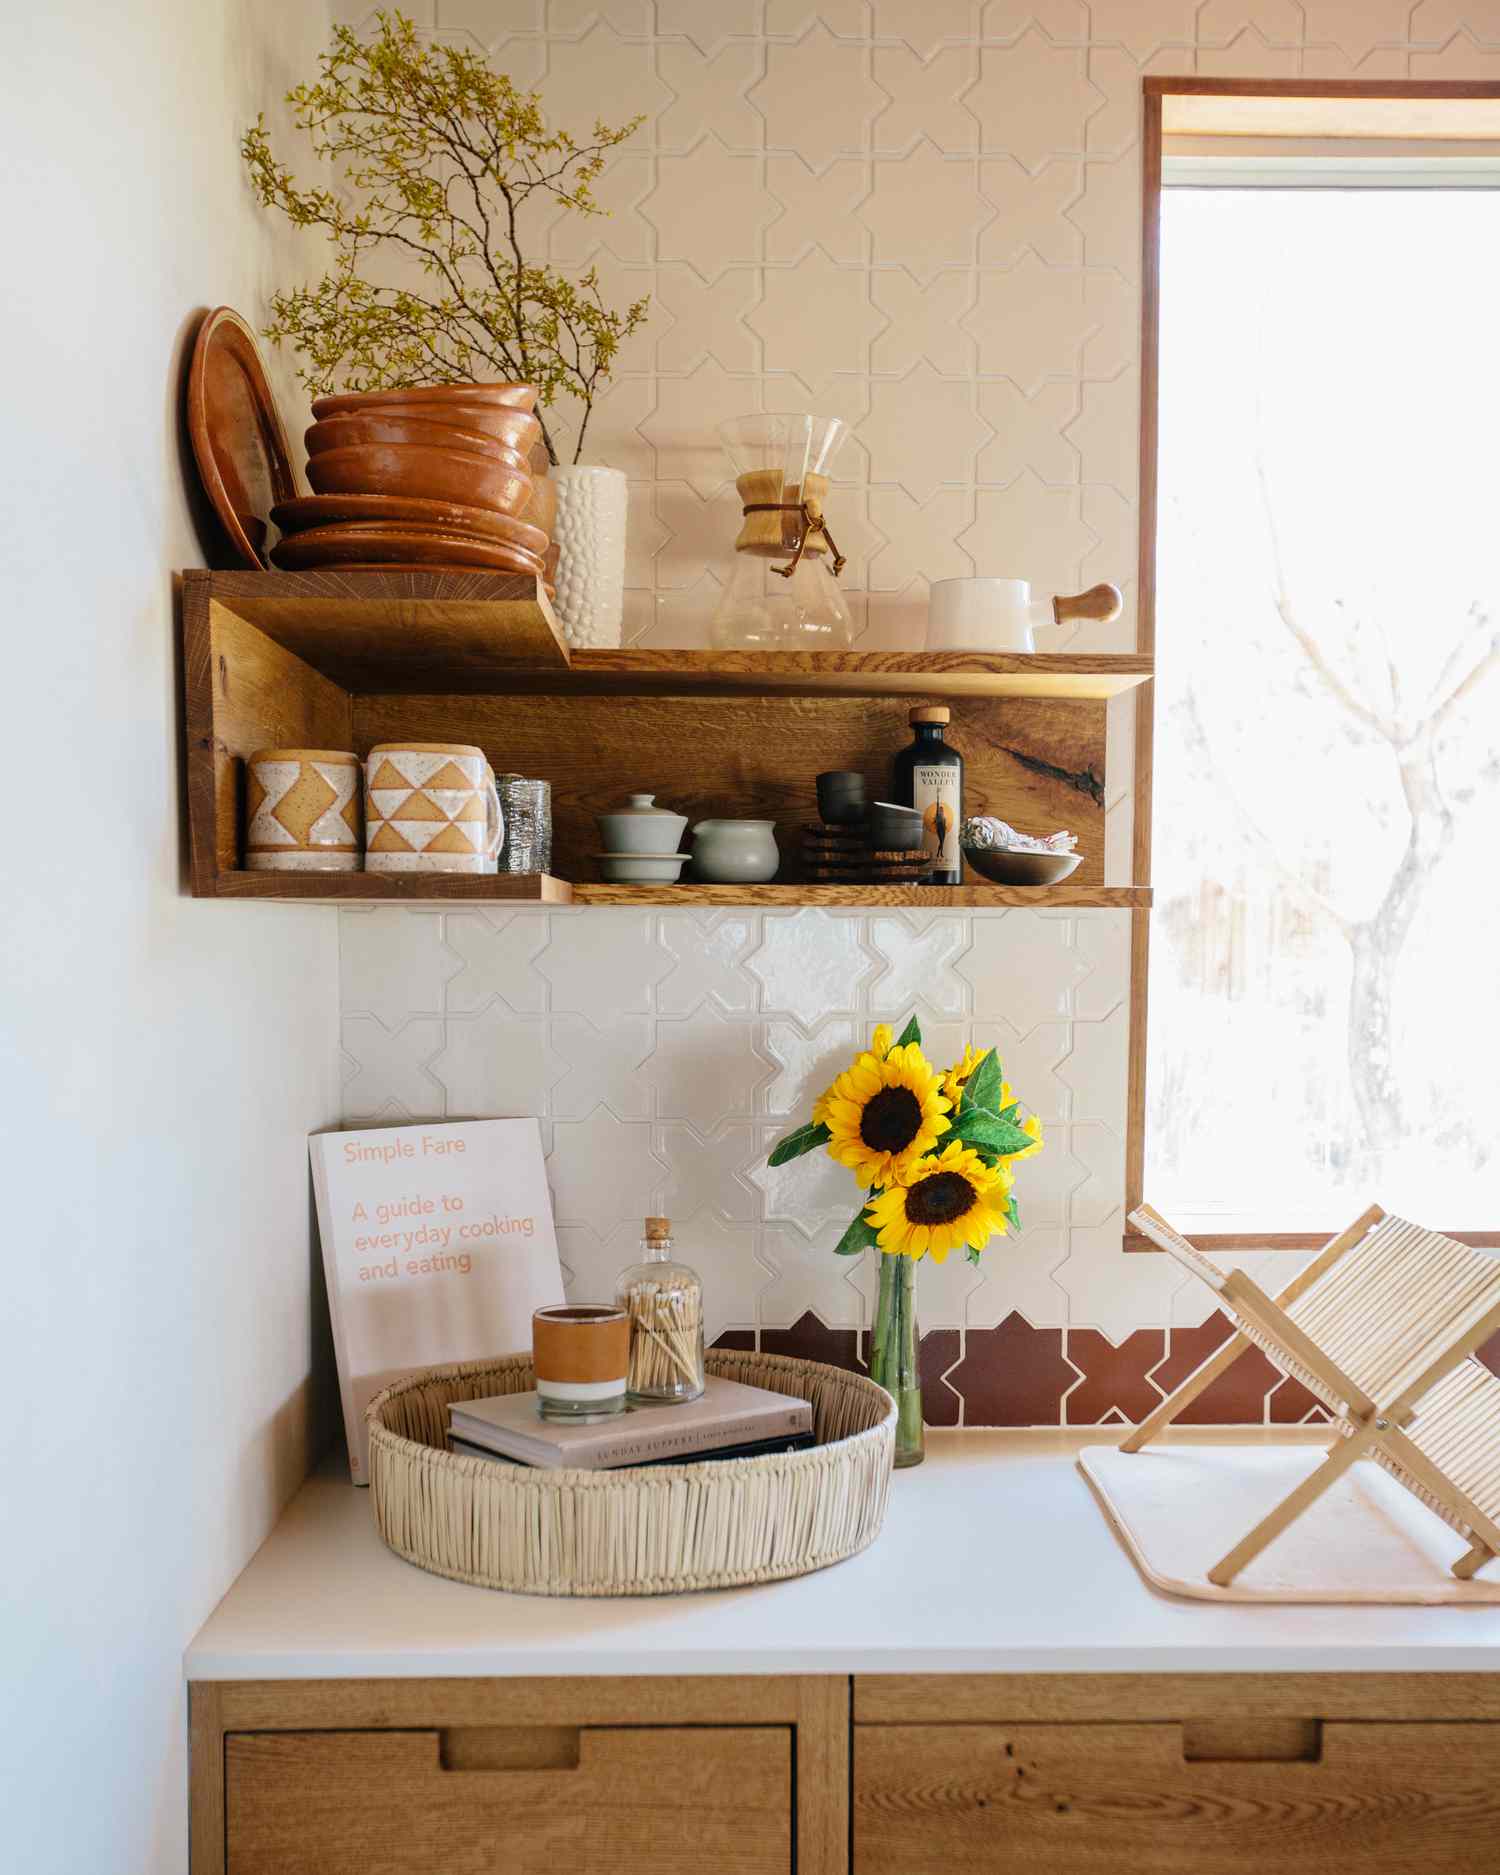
pixel 1472 1561
pixel 1201 1377
pixel 1341 1455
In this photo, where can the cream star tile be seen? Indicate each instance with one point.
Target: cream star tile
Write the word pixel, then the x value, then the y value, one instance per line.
pixel 482 21
pixel 495 1065
pixel 918 967
pixel 682 619
pixel 1434 22
pixel 1114 310
pixel 742 207
pixel 925 28
pixel 645 535
pixel 817 209
pixel 1031 322
pixel 709 94
pixel 920 538
pixel 632 17
pixel 392 963
pixel 704 1063
pixel 1115 523
pixel 1278 21
pixel 391 1064
pixel 1110 1289
pixel 922 99
pixel 1141 26
pixel 810 964
pixel 813 1194
pixel 706 319
pixel 700 533
pixel 682 427
pixel 807 1062
pixel 494 954
pixel 922 322
pixel 602 962
pixel 1028 431
pixel 708 1171
pixel 1248 55
pixel 1065 22
pixel 817 97
pixel 1102 940
pixel 1100 1196
pixel 1459 58
pixel 621 229
pixel 810 1276
pixel 925 212
pixel 922 430
pixel 1106 432
pixel 602 1170
pixel 708 26
pixel 1019 1275
pixel 1033 212
pixel 1096 1066
pixel 710 955
pixel 1028 531
pixel 1033 99
pixel 1329 62
pixel 816 319
pixel 897 621
pixel 1024 968
pixel 1115 128
pixel 729 1257
pixel 603 1063
pixel 1108 214
pixel 848 19
pixel 1356 26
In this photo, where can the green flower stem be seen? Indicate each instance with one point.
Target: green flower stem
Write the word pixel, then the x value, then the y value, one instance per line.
pixel 894 1362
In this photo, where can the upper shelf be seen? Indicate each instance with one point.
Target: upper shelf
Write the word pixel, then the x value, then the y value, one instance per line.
pixel 410 631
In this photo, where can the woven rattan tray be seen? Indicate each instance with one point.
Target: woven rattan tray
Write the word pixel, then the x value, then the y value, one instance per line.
pixel 719 1524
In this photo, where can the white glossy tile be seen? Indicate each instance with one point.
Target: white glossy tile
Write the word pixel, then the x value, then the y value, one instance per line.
pixel 925 211
pixel 710 1170
pixel 1102 941
pixel 602 1063
pixel 919 966
pixel 1022 967
pixel 391 1064
pixel 809 963
pixel 727 1257
pixel 706 1063
pixel 709 93
pixel 817 97
pixel 392 962
pixel 811 1194
pixel 495 1065
pixel 1033 99
pixel 1100 1151
pixel 1111 1289
pixel 807 1063
pixel 1019 1274
pixel 1096 1068
pixel 709 954
pixel 809 1276
pixel 922 99
pixel 815 319
pixel 492 956
pixel 602 1170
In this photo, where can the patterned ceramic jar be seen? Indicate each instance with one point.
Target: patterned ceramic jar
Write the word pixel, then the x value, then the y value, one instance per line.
pixel 590 532
pixel 302 811
pixel 430 807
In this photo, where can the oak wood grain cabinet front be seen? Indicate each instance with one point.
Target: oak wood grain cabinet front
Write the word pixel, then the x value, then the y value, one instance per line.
pixel 1186 1797
pixel 493 1800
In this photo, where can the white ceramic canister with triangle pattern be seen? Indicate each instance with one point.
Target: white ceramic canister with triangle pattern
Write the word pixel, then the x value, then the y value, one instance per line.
pixel 302 811
pixel 431 807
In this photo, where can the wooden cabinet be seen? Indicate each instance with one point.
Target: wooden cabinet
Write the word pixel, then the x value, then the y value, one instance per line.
pixel 1177 1776
pixel 622 1800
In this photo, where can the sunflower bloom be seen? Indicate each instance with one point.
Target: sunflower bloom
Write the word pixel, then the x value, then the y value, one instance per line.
pixel 880 1047
pixel 1031 1126
pixel 883 1113
pixel 940 1204
pixel 957 1077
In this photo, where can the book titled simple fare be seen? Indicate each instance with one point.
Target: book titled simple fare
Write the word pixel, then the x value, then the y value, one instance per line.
pixel 728 1414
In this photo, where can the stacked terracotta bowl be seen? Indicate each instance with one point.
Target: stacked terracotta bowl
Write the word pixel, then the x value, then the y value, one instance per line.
pixel 445 476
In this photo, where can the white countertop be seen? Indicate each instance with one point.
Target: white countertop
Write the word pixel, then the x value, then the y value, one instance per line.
pixel 994 1558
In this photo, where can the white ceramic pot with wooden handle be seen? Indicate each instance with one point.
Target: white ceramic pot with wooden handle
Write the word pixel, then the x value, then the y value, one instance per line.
pixel 1001 615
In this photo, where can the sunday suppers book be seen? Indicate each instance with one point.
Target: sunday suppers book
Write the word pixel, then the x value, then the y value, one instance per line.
pixel 438 1246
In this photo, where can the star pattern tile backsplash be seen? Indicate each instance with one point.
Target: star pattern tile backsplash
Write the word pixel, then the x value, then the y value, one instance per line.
pixel 923 216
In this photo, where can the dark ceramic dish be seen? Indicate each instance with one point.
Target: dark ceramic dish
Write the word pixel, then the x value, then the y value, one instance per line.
pixel 1002 867
pixel 841 797
pixel 893 829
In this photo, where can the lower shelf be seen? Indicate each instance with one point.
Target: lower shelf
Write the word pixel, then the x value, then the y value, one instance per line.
pixel 540 888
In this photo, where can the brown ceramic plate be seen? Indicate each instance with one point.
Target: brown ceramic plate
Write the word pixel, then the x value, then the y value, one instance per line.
pixel 508 441
pixel 424 474
pixel 238 441
pixel 389 546
pixel 398 511
pixel 508 396
pixel 1003 867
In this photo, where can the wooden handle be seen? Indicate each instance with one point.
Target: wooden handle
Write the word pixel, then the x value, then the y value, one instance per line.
pixel 1101 602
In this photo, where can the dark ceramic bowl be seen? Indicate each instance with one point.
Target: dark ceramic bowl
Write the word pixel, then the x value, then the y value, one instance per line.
pixel 426 474
pixel 841 797
pixel 892 829
pixel 1002 867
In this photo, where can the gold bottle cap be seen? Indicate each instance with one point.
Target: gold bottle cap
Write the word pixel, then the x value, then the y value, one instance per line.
pixel 658 1229
pixel 931 713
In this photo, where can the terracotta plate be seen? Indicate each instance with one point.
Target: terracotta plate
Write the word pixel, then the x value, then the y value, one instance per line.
pixel 391 546
pixel 508 396
pixel 238 441
pixel 404 511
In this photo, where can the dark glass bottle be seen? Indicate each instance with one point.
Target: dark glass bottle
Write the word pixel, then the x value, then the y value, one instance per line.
pixel 930 775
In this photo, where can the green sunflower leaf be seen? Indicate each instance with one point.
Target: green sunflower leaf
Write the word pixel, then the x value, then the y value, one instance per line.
pixel 1010 1111
pixel 859 1236
pixel 983 1129
pixel 982 1088
pixel 1012 1212
pixel 970 1253
pixel 911 1033
pixel 806 1139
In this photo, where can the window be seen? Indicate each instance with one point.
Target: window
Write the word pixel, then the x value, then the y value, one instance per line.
pixel 1324 976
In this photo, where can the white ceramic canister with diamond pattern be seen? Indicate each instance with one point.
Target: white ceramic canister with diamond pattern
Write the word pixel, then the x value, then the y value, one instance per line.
pixel 590 533
pixel 302 811
pixel 430 807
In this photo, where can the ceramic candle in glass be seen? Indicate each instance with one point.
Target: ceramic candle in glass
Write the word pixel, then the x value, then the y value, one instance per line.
pixel 581 1356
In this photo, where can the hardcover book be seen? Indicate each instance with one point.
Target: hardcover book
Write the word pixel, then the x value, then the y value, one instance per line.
pixel 438 1246
pixel 728 1414
pixel 753 1448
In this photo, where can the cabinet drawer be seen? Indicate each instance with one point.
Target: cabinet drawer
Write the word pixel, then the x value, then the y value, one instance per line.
pixel 554 1800
pixel 1202 1799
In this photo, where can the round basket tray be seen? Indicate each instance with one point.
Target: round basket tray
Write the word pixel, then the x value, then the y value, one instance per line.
pixel 641 1530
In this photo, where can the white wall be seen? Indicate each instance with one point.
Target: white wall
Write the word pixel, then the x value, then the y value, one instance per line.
pixel 163 1059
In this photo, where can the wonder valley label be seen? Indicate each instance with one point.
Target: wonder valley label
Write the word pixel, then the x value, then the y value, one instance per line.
pixel 438 1246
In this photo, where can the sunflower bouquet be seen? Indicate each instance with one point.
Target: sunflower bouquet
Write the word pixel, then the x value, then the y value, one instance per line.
pixel 935 1150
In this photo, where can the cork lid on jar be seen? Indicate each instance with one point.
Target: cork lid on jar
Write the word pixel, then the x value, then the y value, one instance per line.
pixel 658 1229
pixel 931 713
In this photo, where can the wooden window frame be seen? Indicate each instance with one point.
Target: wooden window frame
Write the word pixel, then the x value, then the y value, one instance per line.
pixel 1155 90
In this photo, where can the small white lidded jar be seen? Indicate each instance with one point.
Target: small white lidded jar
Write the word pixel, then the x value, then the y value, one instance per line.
pixel 581 1357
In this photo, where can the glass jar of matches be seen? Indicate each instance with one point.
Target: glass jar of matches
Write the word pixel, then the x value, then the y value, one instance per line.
pixel 664 1301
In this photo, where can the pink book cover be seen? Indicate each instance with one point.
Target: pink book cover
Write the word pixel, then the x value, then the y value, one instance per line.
pixel 438 1246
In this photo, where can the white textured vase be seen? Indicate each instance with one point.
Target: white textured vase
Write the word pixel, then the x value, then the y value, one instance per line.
pixel 590 533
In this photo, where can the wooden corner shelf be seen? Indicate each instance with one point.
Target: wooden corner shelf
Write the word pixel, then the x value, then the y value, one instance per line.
pixel 348 659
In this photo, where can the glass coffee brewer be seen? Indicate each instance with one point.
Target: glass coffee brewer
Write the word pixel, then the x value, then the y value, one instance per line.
pixel 781 591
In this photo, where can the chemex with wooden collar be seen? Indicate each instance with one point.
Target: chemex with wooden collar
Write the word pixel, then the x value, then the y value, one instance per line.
pixel 1381 1327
